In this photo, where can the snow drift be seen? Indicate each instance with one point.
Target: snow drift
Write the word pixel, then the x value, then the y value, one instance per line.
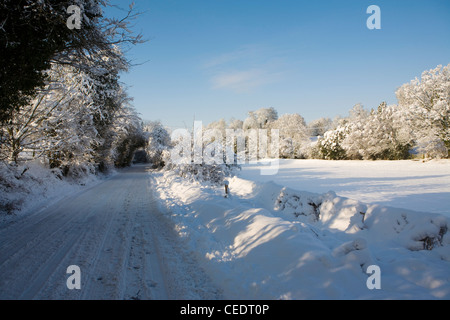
pixel 267 241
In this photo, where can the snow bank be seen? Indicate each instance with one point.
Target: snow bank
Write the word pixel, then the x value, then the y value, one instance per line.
pixel 31 186
pixel 266 241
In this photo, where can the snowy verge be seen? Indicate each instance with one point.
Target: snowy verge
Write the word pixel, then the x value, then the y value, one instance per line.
pixel 266 241
pixel 28 188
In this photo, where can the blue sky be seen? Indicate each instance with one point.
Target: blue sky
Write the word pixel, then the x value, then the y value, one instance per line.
pixel 213 59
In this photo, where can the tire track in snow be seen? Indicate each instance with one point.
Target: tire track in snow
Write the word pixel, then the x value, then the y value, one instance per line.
pixel 41 245
pixel 114 231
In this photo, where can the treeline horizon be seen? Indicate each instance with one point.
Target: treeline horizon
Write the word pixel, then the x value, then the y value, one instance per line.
pixel 417 125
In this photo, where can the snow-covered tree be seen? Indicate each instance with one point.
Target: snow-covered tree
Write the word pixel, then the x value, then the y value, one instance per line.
pixel 68 127
pixel 293 134
pixel 428 100
pixel 158 141
pixel 355 141
pixel 35 34
pixel 319 127
pixel 109 97
pixel 220 125
pixel 387 134
pixel 56 125
pixel 235 124
pixel 260 119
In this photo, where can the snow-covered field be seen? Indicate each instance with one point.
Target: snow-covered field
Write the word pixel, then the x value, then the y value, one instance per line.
pixel 287 237
pixel 415 185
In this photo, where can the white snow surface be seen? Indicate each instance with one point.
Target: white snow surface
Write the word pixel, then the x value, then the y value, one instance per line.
pixel 38 187
pixel 152 235
pixel 269 241
pixel 409 184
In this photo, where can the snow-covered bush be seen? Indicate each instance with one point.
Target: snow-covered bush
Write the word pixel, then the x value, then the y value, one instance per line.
pixel 382 134
pixel 298 204
pixel 210 173
pixel 214 173
pixel 330 146
pixel 12 178
pixel 195 166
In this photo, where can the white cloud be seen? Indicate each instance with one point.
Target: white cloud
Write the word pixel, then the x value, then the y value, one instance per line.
pixel 244 69
pixel 244 53
pixel 242 81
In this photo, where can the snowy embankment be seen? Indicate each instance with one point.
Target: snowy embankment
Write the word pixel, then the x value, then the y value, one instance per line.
pixel 30 187
pixel 267 241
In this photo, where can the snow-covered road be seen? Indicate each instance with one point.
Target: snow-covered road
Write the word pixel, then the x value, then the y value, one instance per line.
pixel 114 232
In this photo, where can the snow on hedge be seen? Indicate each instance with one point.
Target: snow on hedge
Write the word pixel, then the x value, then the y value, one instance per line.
pixel 267 241
pixel 28 187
